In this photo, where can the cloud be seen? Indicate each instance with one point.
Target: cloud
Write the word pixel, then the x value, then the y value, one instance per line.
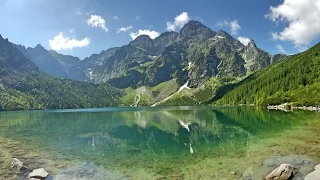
pixel 151 34
pixel 233 25
pixel 301 19
pixel 61 42
pixel 244 40
pixel 115 17
pixel 179 21
pixel 281 49
pixel 78 12
pixel 72 30
pixel 97 21
pixel 124 29
pixel 138 17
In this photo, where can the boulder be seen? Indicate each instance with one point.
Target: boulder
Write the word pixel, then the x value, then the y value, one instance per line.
pixel 17 165
pixel 38 174
pixel 284 171
pixel 304 165
pixel 315 175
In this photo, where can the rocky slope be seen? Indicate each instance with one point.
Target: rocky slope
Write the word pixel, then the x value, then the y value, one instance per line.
pixel 295 80
pixel 53 63
pixel 24 86
pixel 196 53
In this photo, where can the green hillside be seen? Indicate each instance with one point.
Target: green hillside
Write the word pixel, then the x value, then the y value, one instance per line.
pixel 295 79
pixel 24 86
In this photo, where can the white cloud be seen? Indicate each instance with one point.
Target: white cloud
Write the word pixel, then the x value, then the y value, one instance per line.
pixel 72 30
pixel 138 17
pixel 151 34
pixel 115 17
pixel 60 42
pixel 97 21
pixel 124 29
pixel 233 25
pixel 179 21
pixel 302 19
pixel 281 49
pixel 244 40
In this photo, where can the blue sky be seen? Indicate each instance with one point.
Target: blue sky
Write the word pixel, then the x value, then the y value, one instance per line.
pixel 84 27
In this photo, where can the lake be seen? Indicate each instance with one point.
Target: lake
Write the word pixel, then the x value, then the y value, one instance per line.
pixel 154 143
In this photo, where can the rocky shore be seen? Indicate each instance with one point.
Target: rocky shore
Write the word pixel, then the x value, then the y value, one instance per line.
pixel 290 107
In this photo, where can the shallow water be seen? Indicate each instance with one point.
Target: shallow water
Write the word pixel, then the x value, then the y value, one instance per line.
pixel 150 143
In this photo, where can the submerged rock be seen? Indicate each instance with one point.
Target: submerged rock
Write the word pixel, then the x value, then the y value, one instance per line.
pixel 284 171
pixel 17 165
pixel 303 164
pixel 38 174
pixel 88 171
pixel 315 175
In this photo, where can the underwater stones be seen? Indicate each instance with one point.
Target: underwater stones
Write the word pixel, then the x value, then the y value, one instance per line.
pixel 38 174
pixel 88 171
pixel 17 165
pixel 283 172
pixel 303 164
pixel 315 175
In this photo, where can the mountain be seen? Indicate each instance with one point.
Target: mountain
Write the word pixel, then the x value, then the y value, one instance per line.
pixel 196 54
pixel 24 86
pixel 55 64
pixel 176 67
pixel 295 80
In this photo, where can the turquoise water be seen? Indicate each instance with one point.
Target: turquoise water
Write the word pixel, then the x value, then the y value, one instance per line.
pixel 150 142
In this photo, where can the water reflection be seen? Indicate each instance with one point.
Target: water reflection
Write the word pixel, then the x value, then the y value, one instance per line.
pixel 140 136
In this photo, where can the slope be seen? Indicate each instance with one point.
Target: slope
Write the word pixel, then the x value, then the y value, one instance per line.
pixel 295 80
pixel 24 86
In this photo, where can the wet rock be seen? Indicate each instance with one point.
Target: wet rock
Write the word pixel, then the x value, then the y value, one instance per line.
pixel 284 171
pixel 38 174
pixel 315 175
pixel 17 165
pixel 303 164
pixel 233 173
pixel 88 171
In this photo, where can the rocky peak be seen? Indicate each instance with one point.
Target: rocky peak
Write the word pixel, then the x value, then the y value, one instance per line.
pixel 252 44
pixel 143 42
pixel 196 29
pixel 166 37
pixel 225 35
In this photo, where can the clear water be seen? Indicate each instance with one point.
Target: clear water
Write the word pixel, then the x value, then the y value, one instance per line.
pixel 150 143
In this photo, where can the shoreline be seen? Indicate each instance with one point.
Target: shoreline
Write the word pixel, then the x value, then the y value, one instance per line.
pixel 290 107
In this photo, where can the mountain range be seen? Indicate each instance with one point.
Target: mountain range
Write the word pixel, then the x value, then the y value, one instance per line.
pixel 176 68
pixel 196 53
pixel 24 86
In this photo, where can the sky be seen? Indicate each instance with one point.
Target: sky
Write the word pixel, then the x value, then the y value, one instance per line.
pixel 84 27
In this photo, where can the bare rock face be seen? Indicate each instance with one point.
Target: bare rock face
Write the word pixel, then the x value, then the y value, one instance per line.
pixel 17 165
pixel 315 175
pixel 283 172
pixel 38 174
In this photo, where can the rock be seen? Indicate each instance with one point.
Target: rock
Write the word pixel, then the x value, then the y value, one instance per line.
pixel 233 173
pixel 17 165
pixel 315 175
pixel 38 174
pixel 284 171
pixel 303 164
pixel 88 171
